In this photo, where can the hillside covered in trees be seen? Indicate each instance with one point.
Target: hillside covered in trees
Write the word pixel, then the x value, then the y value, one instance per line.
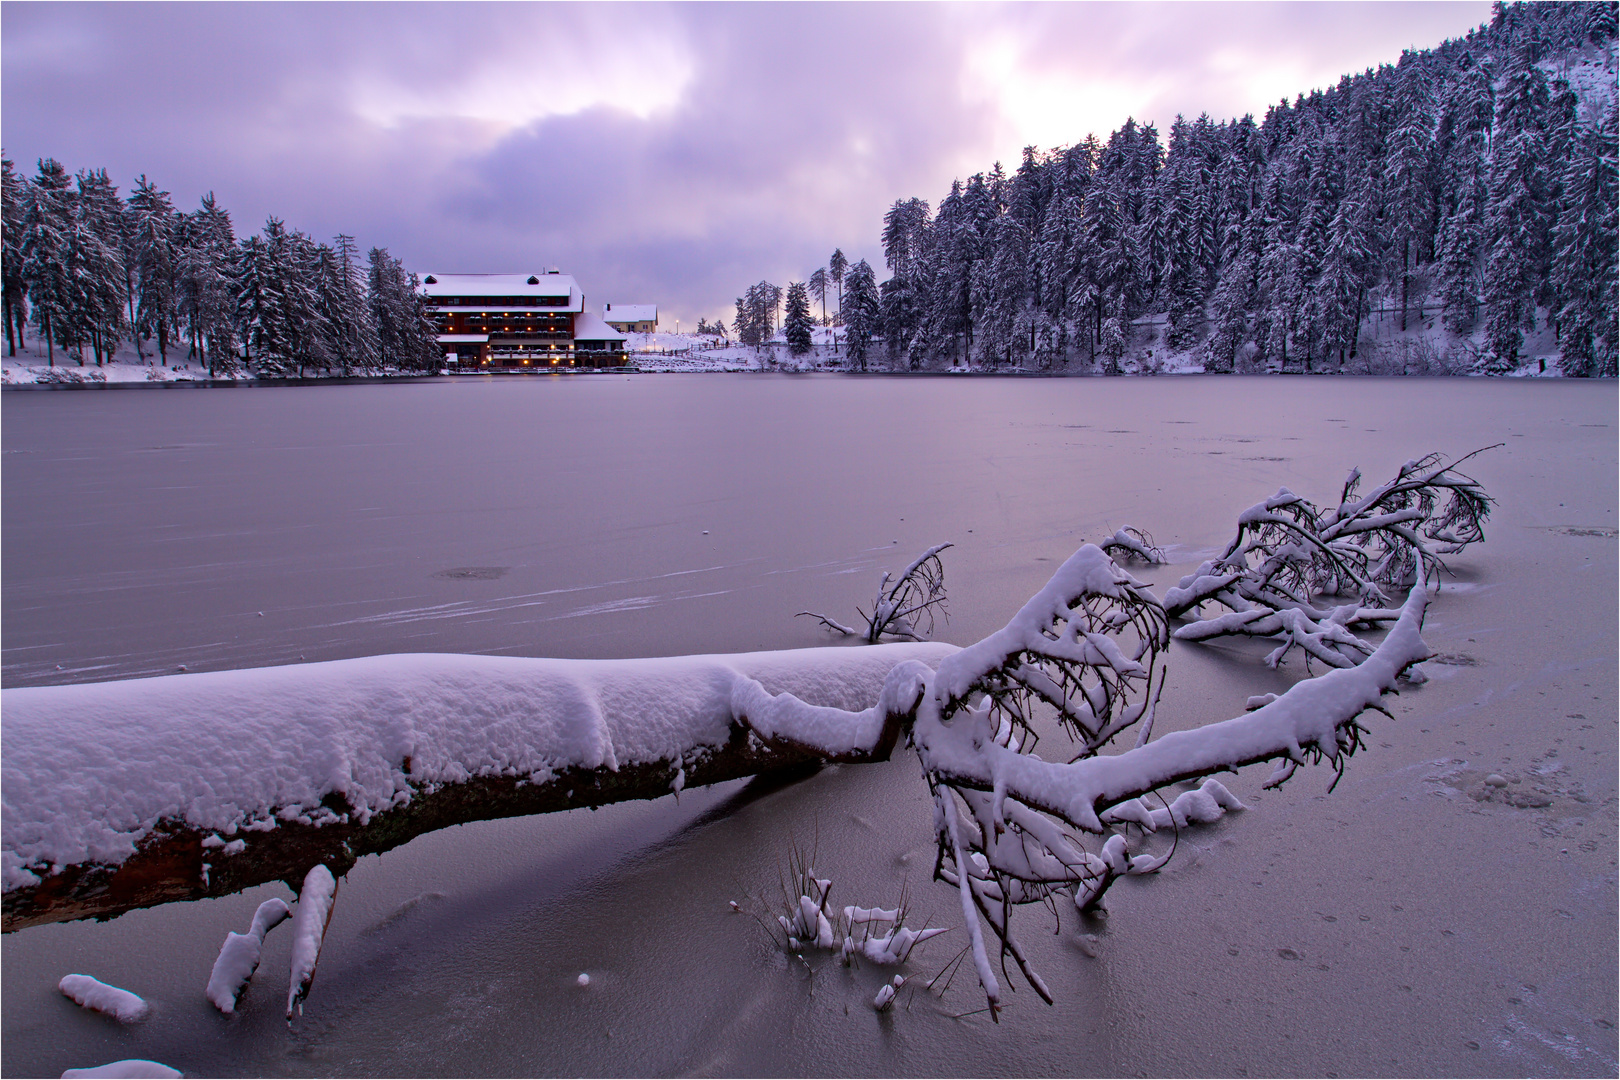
pixel 89 269
pixel 1453 212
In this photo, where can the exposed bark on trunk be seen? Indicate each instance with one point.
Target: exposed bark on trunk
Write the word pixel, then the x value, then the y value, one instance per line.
pixel 169 866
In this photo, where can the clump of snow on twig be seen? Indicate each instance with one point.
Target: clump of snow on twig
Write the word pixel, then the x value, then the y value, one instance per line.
pixel 315 901
pixel 98 996
pixel 886 992
pixel 239 956
pixel 1129 543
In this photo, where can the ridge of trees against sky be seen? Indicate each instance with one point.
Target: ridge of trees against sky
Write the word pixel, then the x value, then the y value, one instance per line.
pixel 1463 183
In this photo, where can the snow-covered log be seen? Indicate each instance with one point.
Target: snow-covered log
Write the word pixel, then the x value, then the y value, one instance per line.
pixel 118 795
pixel 1289 557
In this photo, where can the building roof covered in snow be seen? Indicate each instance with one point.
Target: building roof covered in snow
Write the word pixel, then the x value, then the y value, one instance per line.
pixel 630 313
pixel 548 290
pixel 587 327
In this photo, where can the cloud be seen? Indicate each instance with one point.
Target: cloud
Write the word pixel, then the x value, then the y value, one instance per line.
pixel 666 153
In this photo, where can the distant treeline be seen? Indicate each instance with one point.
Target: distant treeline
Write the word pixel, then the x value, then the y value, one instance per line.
pixel 1474 182
pixel 89 270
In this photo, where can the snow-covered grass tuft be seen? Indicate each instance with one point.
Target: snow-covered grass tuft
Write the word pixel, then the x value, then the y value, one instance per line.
pixel 877 935
pixel 98 996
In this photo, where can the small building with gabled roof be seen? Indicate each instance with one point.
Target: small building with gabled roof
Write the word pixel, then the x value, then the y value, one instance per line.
pixel 518 322
pixel 631 318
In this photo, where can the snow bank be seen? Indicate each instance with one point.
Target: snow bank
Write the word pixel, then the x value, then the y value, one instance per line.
pixel 129 1069
pixel 90 769
pixel 97 995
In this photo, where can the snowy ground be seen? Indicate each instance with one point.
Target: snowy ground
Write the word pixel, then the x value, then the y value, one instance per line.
pixel 32 365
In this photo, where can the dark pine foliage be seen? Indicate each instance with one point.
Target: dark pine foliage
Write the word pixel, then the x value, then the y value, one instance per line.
pixel 90 269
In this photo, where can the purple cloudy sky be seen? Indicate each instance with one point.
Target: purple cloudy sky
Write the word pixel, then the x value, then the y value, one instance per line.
pixel 671 154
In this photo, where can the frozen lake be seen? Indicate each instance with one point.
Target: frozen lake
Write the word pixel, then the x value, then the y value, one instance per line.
pixel 1394 927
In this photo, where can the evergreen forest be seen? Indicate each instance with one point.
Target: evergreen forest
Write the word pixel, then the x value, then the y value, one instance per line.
pixel 86 269
pixel 1451 213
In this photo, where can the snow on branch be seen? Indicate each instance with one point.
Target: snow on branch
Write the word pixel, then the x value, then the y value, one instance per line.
pixel 902 603
pixel 1128 543
pixel 1083 656
pixel 1289 557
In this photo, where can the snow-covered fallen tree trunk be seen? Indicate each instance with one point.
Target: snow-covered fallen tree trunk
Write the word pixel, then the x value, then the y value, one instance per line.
pixel 129 794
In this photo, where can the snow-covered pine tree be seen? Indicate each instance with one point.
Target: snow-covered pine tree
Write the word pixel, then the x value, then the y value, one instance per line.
pixel 351 333
pixel 1408 175
pixel 797 323
pixel 818 289
pixel 402 314
pixel 152 228
pixel 47 215
pixel 97 271
pixel 208 299
pixel 1517 219
pixel 1464 133
pixel 861 311
pixel 1584 271
pixel 13 303
pixel 837 266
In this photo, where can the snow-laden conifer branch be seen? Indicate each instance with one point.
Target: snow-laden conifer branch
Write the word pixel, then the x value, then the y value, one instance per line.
pixel 1290 557
pixel 902 603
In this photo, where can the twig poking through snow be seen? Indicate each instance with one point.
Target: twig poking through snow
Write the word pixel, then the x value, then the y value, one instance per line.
pixel 98 996
pixel 902 602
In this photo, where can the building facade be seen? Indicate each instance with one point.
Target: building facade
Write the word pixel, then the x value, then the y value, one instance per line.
pixel 517 322
pixel 631 318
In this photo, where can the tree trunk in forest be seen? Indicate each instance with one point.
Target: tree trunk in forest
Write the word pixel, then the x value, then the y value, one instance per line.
pixel 1406 280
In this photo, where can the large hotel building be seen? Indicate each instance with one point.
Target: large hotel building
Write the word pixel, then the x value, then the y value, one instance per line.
pixel 517 322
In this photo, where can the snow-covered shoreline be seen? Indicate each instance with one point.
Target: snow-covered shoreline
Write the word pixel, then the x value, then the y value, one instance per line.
pixel 653 353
